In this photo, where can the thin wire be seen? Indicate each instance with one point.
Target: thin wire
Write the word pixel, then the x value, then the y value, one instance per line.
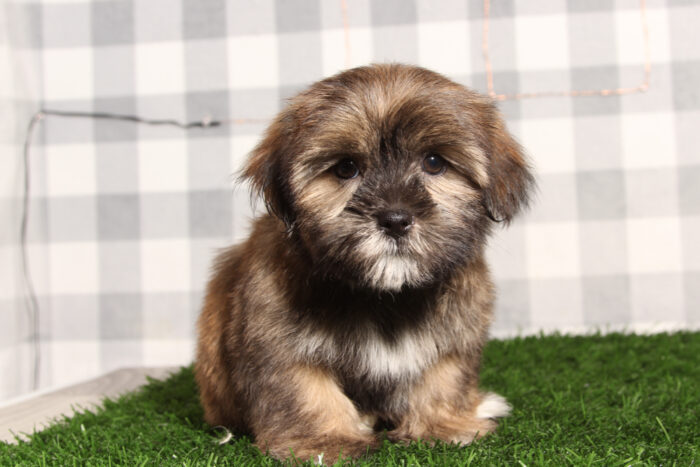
pixel 204 123
pixel 32 302
pixel 33 310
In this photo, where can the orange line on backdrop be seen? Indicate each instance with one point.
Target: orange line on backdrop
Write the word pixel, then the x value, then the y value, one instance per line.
pixel 644 86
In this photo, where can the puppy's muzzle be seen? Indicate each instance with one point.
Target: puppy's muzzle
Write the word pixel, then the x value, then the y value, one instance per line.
pixel 395 222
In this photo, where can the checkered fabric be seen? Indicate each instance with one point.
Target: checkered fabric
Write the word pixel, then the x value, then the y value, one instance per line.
pixel 126 218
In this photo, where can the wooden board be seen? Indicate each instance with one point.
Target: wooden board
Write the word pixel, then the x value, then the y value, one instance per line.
pixel 36 412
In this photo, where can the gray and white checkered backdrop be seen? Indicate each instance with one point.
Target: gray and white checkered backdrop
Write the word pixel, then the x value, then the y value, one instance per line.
pixel 125 218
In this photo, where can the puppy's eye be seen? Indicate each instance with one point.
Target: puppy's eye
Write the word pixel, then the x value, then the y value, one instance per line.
pixel 346 169
pixel 434 164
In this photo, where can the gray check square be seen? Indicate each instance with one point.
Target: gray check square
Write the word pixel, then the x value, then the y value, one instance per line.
pixel 8 330
pixel 598 142
pixel 683 19
pixel 246 18
pixel 687 137
pixel 112 22
pixel 512 305
pixel 392 12
pixel 213 105
pixel 65 25
pixel 444 10
pixel 606 300
pixel 543 81
pixel 297 15
pixel 37 222
pixel 254 103
pixel 73 317
pixel 300 48
pixel 204 19
pixel 120 266
pixel 28 18
pixel 167 315
pixel 691 297
pixel 395 43
pixel 114 73
pixel 209 163
pixel 689 189
pixel 60 130
pixel 512 111
pixel 603 247
pixel 117 167
pixel 507 82
pixel 659 96
pixel 650 293
pixel 120 316
pixel 601 194
pixel 164 215
pixel 556 302
pixel 546 7
pixel 210 213
pixel 652 192
pixel 556 198
pixel 153 24
pixel 592 40
pixel 116 354
pixel 206 65
pixel 595 79
pixel 358 14
pixel 107 130
pixel 690 233
pixel 576 6
pixel 286 92
pixel 162 107
pixel 118 217
pixel 686 90
pixel 72 218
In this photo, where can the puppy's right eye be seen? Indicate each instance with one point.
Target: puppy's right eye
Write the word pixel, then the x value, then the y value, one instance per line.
pixel 346 169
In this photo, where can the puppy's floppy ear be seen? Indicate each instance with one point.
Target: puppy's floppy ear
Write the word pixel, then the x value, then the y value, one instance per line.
pixel 510 180
pixel 265 170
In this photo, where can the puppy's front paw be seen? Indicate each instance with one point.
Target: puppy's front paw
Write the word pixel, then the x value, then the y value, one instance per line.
pixel 325 451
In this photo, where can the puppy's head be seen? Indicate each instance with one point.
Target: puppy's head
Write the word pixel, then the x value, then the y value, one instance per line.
pixel 389 175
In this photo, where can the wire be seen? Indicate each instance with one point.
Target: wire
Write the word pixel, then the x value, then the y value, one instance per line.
pixel 33 310
pixel 32 302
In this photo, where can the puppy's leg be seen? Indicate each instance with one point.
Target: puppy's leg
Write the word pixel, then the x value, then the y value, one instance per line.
pixel 447 405
pixel 304 412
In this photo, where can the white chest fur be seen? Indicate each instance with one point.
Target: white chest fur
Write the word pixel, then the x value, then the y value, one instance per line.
pixel 371 354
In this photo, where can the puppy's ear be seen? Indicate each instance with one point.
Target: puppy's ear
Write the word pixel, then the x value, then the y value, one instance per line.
pixel 265 171
pixel 510 180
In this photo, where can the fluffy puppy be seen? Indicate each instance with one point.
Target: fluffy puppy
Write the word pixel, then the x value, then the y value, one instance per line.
pixel 361 302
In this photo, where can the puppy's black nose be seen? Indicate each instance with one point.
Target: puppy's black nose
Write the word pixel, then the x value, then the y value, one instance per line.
pixel 395 222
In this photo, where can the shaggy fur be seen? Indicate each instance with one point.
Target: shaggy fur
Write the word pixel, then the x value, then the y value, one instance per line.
pixel 325 327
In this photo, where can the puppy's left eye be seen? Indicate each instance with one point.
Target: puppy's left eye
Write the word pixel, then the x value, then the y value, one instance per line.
pixel 433 164
pixel 346 169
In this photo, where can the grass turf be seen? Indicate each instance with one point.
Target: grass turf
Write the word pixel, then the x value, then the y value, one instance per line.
pixel 600 400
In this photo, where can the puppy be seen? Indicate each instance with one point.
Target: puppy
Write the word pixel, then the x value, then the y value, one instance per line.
pixel 361 301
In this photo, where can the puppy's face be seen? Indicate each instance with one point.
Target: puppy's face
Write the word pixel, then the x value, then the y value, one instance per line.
pixel 389 175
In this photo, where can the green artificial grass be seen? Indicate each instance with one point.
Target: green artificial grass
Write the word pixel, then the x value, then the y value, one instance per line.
pixel 603 400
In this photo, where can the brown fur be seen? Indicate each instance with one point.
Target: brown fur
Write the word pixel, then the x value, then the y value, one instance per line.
pixel 321 326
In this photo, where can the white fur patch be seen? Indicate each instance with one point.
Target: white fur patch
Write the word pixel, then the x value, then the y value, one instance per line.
pixel 392 272
pixel 407 357
pixel 493 406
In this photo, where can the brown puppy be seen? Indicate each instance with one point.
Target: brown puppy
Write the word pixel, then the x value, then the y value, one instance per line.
pixel 362 300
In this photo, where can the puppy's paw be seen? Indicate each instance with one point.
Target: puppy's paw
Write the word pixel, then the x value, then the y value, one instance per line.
pixel 322 452
pixel 492 406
